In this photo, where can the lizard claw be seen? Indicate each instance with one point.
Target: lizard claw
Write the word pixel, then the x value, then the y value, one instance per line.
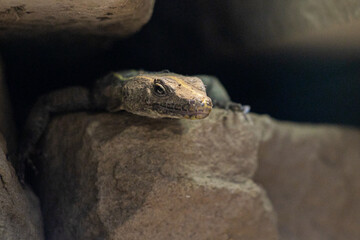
pixel 237 107
pixel 233 106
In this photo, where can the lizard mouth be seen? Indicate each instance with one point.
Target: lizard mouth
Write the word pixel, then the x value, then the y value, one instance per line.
pixel 192 110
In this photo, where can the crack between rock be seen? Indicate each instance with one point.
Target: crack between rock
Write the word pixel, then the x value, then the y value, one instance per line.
pixel 4 186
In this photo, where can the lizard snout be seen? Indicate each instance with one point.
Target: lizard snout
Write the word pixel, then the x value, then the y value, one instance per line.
pixel 199 109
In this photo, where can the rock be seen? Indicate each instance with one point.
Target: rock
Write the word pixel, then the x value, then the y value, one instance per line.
pixel 121 176
pixel 311 174
pixel 107 17
pixel 20 216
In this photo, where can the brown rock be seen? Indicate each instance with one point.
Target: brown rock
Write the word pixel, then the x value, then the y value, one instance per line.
pixel 121 176
pixel 119 17
pixel 202 209
pixel 20 216
pixel 311 173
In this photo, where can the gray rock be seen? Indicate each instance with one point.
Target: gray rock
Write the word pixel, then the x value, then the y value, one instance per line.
pixel 20 216
pixel 121 176
pixel 107 17
pixel 311 174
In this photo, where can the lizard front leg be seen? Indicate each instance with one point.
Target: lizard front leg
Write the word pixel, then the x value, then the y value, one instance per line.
pixel 218 94
pixel 65 100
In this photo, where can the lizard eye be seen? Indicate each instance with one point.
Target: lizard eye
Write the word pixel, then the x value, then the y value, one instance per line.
pixel 159 89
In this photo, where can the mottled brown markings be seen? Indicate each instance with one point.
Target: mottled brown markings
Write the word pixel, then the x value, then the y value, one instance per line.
pixel 16 11
pixel 20 10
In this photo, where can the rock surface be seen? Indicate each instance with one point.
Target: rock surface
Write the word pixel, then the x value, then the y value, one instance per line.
pixel 119 17
pixel 20 216
pixel 311 174
pixel 121 176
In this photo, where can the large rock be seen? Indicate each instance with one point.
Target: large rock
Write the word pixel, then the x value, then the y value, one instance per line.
pixel 311 173
pixel 20 216
pixel 121 176
pixel 110 17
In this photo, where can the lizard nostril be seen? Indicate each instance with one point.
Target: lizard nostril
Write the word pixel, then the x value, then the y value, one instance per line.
pixel 206 102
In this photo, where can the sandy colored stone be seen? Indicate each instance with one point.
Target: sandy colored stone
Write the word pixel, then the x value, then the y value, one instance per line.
pixel 202 209
pixel 121 176
pixel 311 174
pixel 119 17
pixel 20 216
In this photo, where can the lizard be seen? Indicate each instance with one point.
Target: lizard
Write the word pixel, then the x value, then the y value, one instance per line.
pixel 151 94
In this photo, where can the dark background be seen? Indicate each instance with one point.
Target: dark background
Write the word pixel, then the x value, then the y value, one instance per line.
pixel 304 85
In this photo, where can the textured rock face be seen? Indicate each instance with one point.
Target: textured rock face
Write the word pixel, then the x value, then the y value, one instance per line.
pixel 20 216
pixel 120 176
pixel 120 17
pixel 311 173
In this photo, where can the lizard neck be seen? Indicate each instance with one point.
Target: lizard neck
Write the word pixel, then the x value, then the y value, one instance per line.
pixel 107 93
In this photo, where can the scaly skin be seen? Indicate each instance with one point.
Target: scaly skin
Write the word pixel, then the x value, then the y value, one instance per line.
pixel 151 94
pixel 154 95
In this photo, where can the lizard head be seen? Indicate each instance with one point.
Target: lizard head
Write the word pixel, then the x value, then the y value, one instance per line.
pixel 166 95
